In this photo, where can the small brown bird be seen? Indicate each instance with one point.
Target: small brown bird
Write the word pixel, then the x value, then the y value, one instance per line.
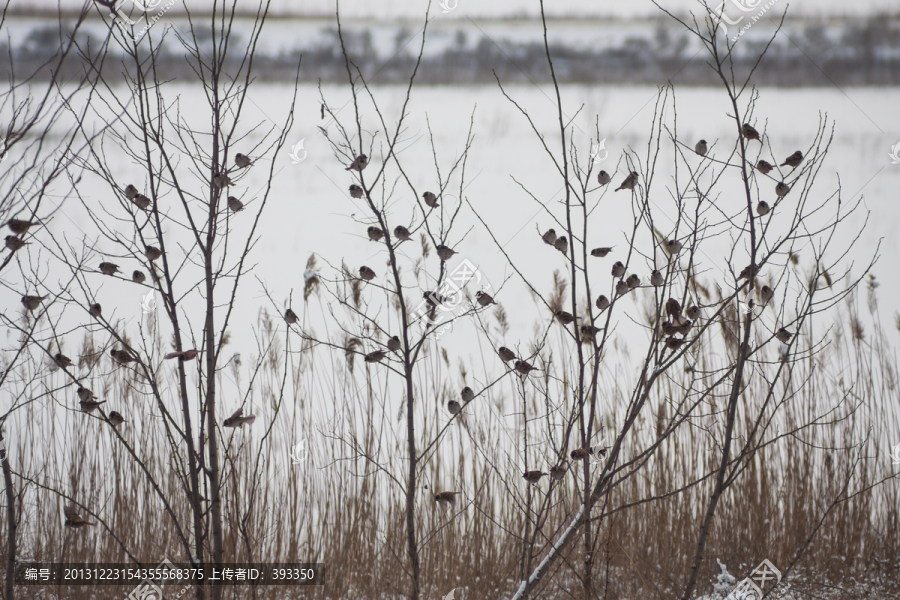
pixel 633 281
pixel 221 180
pixel 122 357
pixel 108 268
pixel 235 205
pixel 750 132
pixel 153 253
pixel 589 331
pixel 692 312
pixel 793 160
pixel 506 354
pixel 90 406
pixel 558 472
pixel 764 167
pixel 618 269
pixel 62 361
pixel 603 178
pixel 533 477
pixel 430 199
pixel 13 243
pixel 656 278
pixel 138 277
pixel 355 191
pixel 467 394
pixel 366 273
pixel 629 182
pixel 622 288
pixel 401 233
pixel 766 293
pixel 32 302
pixel 579 454
pixel 701 148
pixel 130 191
pixel 433 298
pixel 73 519
pixel 20 226
pixel 563 317
pixel 748 272
pixel 95 310
pixel 238 420
pixel 142 201
pixel 375 233
pixel 673 309
pixel 445 253
pixel 600 252
pixel 602 302
pixel 562 244
pixel 782 189
pixel 290 317
pixel 454 407
pixel 674 246
pixel 484 299
pixel 549 237
pixel 523 367
pixel 674 343
pixel 359 163
pixel 762 209
pixel 242 160
pixel 84 394
pixel 115 419
pixel 394 344
pixel 784 335
pixel 668 328
pixel 375 357
pixel 446 499
pixel 184 355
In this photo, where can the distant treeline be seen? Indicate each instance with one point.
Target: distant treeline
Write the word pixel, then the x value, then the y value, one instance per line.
pixel 849 53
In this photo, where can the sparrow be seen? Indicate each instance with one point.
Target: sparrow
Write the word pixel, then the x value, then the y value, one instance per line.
pixel 446 499
pixel 394 344
pixel 506 354
pixel 13 243
pixel 90 406
pixel 375 233
pixel 764 167
pixel 701 148
pixel 138 277
pixel 115 419
pixel 674 246
pixel 221 180
pixel 633 281
pixel 598 450
pixel 549 237
pixel 123 357
pixel 600 252
pixel 359 163
pixel 433 298
pixel 130 191
pixel 618 269
pixel 603 178
pixel 629 182
pixel 749 132
pixel 366 273
pixel 589 331
pixel 238 420
pixel 766 293
pixel 73 519
pixel 445 253
pixel 95 310
pixel 62 361
pixel 784 335
pixel 401 233
pixel 668 328
pixel 20 227
pixel 523 367
pixel 692 312
pixel 673 309
pixel 579 454
pixel 484 299
pixel 355 191
pixel 235 205
pixel 602 302
pixel 467 394
pixel 430 199
pixel 153 253
pixel 108 268
pixel 748 272
pixel 782 189
pixel 84 394
pixel 32 302
pixel 184 355
pixel 242 160
pixel 454 407
pixel 561 244
pixel 621 288
pixel 558 472
pixel 142 201
pixel 533 477
pixel 674 343
pixel 563 317
pixel 656 278
pixel 793 160
pixel 762 209
pixel 375 357
pixel 684 327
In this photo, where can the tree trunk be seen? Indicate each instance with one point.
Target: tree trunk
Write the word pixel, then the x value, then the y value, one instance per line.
pixel 10 520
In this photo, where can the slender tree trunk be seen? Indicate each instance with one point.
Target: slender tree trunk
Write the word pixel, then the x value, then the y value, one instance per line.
pixel 10 520
pixel 411 486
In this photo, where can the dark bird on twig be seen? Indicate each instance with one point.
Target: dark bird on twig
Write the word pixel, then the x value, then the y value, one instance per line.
pixel 401 233
pixel 376 356
pixel 394 344
pixel 446 499
pixel 95 310
pixel 73 519
pixel 674 343
pixel 762 208
pixel 782 189
pixel 467 394
pixel 748 272
pixel 562 244
pixel 656 278
pixel 563 317
pixel 108 268
pixel 750 132
pixel 235 205
pixel 549 237
pixel 579 454
pixel 784 335
pixel 375 233
pixel 673 309
pixel 445 253
pixel 633 281
pixel 602 302
pixel 433 298
pixel 558 472
pixel 84 394
pixel 701 148
pixel 290 317
pixel 138 277
pixel 766 293
pixel 764 167
pixel 533 477
pixel 629 182
pixel 589 331
pixel 622 288
pixel 238 420
pixel 32 302
pixel 506 354
pixel 153 253
pixel 184 355
pixel 603 178
pixel 600 252
pixel 90 406
pixel 693 312
pixel 122 357
pixel 454 407
pixel 523 367
pixel 618 269
pixel 13 243
pixel 130 191
pixel 62 361
pixel 142 201
pixel 674 246
pixel 221 180
pixel 115 419
pixel 366 273
pixel 242 160
pixel 793 160
pixel 356 191
pixel 484 299
pixel 359 163
pixel 21 227
pixel 430 199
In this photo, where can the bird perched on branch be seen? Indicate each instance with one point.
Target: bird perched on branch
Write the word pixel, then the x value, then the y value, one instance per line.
pixel 394 344
pixel 674 246
pixel 748 272
pixel 506 354
pixel 784 335
pixel 629 182
pixel 589 331
pixel 523 367
pixel 359 163
pixel 701 148
pixel 562 244
pixel 764 167
pixel 356 191
pixel 73 519
pixel 91 405
pixel 533 477
pixel 622 288
pixel 750 132
pixel 13 243
pixel 579 454
pixel 600 252
pixel 401 233
pixel 130 191
pixel 20 226
pixel 366 273
pixel 142 201
pixel 484 299
pixel 138 277
pixel 122 357
pixel 603 178
pixel 108 268
pixel 290 317
pixel 32 302
pixel 430 199
pixel 238 420
pixel 692 312
pixel 221 180
pixel 445 253
pixel 84 394
pixel 558 472
pixel 549 237
pixel 633 281
pixel 242 160
pixel 446 499
pixel 454 407
pixel 766 293
pixel 602 302
pixel 95 310
pixel 375 233
pixel 563 317
pixel 467 394
pixel 375 357
pixel 782 189
pixel 115 419
pixel 793 160
pixel 656 278
pixel 618 269
pixel 153 253
pixel 184 355
pixel 62 361
pixel 762 208
pixel 235 205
